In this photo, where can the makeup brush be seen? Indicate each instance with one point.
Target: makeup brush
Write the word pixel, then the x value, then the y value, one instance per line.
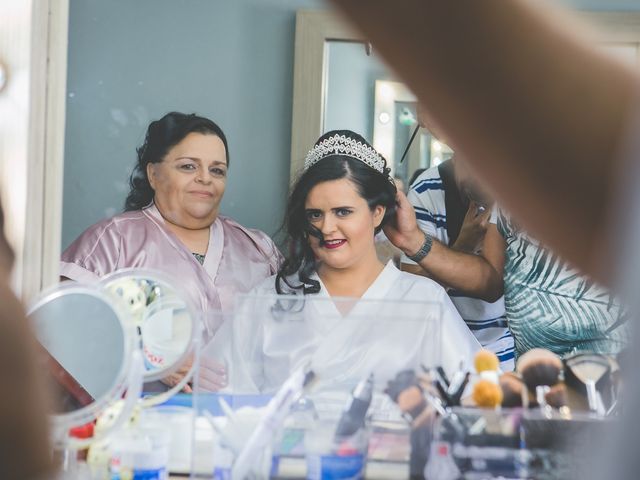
pixel 412 401
pixel 354 414
pixel 539 367
pixel 487 394
pixel 512 389
pixel 590 373
pixel 486 360
pixel 402 381
pixel 557 396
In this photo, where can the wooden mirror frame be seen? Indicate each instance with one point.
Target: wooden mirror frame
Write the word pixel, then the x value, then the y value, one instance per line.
pixel 315 28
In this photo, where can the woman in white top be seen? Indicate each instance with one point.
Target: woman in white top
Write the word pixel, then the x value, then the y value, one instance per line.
pixel 343 197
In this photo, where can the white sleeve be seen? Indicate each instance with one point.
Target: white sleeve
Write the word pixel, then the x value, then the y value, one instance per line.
pixel 238 343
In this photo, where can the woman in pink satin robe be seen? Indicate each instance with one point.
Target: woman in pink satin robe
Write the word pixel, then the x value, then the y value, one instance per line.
pixel 171 221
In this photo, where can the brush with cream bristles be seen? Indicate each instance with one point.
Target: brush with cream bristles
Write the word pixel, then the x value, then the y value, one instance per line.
pixel 539 367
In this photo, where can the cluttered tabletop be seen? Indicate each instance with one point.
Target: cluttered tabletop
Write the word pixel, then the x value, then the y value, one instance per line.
pixel 526 424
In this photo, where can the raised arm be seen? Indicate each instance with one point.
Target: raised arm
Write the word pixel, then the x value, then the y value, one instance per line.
pixel 474 275
pixel 470 274
pixel 540 110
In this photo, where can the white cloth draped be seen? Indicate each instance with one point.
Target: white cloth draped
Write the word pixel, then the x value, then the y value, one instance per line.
pixel 402 321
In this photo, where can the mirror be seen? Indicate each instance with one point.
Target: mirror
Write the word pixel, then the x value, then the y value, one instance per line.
pixel 100 110
pixel 165 324
pixel 86 348
pixel 346 86
pixel 245 61
pixel 339 82
pixel 98 341
pixel 396 128
pixel 363 96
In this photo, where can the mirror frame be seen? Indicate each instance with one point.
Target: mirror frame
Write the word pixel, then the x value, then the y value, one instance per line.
pixel 34 44
pixel 61 422
pixel 37 237
pixel 195 319
pixel 314 28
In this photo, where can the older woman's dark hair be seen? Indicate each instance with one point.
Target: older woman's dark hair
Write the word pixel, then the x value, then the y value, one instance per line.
pixel 376 188
pixel 161 136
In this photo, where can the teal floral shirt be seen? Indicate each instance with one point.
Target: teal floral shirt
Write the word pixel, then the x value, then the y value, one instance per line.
pixel 550 305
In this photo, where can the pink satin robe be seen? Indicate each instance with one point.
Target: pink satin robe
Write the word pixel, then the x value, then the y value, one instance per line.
pixel 237 258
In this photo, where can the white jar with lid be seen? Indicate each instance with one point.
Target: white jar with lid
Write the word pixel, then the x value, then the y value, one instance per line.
pixel 141 453
pixel 179 421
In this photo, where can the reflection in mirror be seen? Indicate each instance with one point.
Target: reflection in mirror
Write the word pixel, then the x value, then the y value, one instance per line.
pixel 362 95
pixel 350 81
pixel 162 319
pixel 83 346
pixel 165 332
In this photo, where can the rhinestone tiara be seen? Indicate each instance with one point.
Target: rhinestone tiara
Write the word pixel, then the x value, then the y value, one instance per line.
pixel 343 145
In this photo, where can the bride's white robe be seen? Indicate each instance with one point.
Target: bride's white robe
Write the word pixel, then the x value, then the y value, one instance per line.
pixel 402 321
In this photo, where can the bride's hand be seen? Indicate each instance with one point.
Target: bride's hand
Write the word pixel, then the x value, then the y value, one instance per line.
pixel 212 376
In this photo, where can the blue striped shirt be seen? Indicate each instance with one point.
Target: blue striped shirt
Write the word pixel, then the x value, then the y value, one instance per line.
pixel 486 320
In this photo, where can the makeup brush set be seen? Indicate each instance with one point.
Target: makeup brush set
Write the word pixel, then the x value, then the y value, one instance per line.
pixel 535 422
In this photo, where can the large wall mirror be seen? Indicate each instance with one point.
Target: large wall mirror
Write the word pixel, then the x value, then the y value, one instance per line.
pixel 231 61
pixel 128 63
pixel 339 82
pixel 362 95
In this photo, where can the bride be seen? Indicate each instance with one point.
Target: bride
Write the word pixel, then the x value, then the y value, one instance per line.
pixel 333 304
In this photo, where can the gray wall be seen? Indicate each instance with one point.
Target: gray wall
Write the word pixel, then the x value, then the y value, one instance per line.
pixel 232 60
pixel 130 62
pixel 351 79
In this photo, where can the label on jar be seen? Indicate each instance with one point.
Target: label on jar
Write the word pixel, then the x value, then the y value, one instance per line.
pixel 335 467
pixel 221 473
pixel 139 474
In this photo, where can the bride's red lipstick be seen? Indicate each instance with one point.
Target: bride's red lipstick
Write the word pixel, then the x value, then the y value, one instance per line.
pixel 333 244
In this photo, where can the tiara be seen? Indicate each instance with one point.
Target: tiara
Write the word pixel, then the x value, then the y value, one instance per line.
pixel 343 145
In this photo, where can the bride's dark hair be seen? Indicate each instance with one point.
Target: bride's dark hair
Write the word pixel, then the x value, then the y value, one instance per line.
pixel 375 187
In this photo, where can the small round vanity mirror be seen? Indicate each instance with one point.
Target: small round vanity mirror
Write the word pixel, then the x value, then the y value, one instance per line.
pixel 86 347
pixel 166 325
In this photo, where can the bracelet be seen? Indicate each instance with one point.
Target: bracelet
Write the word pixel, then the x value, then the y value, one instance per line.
pixel 424 249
